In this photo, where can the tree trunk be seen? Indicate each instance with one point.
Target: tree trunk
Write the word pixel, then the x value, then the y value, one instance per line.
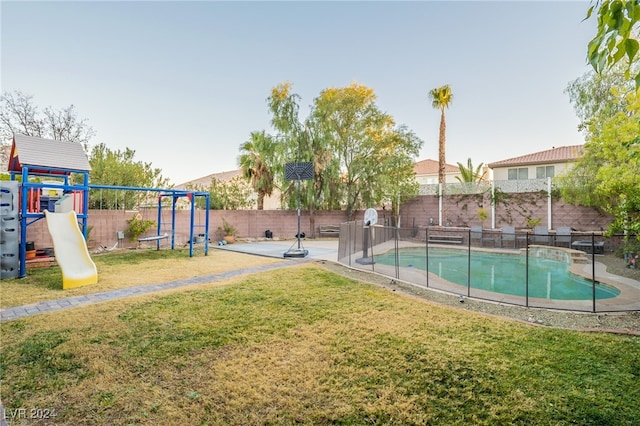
pixel 312 222
pixel 441 149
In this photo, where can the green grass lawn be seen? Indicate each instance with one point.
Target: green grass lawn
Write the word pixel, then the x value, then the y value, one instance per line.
pixel 124 269
pixel 302 345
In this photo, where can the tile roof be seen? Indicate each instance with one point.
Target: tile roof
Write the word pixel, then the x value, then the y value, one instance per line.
pixel 561 154
pixel 430 167
pixel 48 153
pixel 424 167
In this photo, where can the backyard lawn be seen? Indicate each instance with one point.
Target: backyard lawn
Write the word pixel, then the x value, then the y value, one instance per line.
pixel 302 345
pixel 124 269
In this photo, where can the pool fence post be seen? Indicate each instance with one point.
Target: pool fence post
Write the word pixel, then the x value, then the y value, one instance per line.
pixel 593 270
pixel 469 264
pixel 426 252
pixel 396 230
pixel 526 275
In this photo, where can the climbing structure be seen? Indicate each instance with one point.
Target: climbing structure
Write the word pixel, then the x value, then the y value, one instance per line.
pixel 9 230
pixel 54 177
pixel 45 168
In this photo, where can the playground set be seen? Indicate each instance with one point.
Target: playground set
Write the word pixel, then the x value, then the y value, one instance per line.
pixel 54 185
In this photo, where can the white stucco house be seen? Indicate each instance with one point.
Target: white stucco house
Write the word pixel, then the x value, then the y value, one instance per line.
pixel 537 165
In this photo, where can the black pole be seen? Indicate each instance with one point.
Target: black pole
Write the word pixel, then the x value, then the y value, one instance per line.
pixel 397 247
pixel 349 225
pixel 426 252
pixel 526 275
pixel 469 265
pixel 365 242
pixel 373 268
pixel 593 271
pixel 298 214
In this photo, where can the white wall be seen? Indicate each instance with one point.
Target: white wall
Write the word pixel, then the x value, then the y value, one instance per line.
pixel 502 173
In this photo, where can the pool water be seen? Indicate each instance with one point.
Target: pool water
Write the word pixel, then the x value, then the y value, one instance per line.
pixel 502 273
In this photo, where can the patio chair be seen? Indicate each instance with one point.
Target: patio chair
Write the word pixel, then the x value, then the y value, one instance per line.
pixel 512 238
pixel 541 235
pixel 563 236
pixel 476 234
pixel 508 236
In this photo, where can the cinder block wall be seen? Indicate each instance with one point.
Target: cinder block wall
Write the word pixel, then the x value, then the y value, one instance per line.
pixel 457 211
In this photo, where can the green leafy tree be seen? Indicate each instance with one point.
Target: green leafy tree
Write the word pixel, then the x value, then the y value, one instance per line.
pixel 398 183
pixel 234 194
pixel 256 156
pixel 119 168
pixel 441 98
pixel 469 173
pixel 616 36
pixel 366 143
pixel 302 140
pixel 608 174
pixel 596 96
pixel 19 114
pixel 360 158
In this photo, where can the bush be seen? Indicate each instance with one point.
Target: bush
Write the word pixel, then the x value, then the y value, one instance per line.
pixel 138 226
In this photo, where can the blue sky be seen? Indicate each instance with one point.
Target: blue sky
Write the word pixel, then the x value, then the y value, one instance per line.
pixel 184 83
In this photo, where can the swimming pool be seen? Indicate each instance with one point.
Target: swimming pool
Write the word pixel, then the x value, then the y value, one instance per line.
pixel 501 273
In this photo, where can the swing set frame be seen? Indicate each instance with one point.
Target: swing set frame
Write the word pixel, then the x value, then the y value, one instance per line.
pixel 175 195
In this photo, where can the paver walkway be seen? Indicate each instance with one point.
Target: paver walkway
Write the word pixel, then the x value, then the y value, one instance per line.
pixel 88 299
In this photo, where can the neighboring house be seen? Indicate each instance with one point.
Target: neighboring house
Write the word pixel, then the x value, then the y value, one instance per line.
pixel 538 165
pixel 427 172
pixel 270 203
pixel 205 181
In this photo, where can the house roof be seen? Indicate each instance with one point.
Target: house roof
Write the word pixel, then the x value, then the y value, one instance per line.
pixel 421 168
pixel 561 154
pixel 206 180
pixel 41 154
pixel 430 167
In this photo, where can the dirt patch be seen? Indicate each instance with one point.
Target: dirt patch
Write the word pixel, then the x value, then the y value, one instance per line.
pixel 625 322
pixel 617 265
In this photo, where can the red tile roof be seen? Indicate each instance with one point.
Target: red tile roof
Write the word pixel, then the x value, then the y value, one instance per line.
pixel 561 154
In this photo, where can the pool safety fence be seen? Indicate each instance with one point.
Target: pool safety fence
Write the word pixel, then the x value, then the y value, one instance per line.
pixel 553 269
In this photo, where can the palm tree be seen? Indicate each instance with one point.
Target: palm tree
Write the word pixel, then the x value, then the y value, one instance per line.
pixel 255 156
pixel 469 174
pixel 441 97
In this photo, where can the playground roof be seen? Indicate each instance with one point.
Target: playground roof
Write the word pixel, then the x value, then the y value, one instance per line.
pixel 41 155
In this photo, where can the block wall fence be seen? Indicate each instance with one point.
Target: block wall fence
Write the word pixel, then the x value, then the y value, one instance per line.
pixel 458 210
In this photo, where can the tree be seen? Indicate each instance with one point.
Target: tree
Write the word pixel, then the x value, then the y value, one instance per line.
pixel 616 36
pixel 366 144
pixel 469 174
pixel 303 141
pixel 607 176
pixel 256 156
pixel 234 194
pixel 441 98
pixel 18 114
pixel 118 168
pixel 398 184
pixel 360 158
pixel 596 96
